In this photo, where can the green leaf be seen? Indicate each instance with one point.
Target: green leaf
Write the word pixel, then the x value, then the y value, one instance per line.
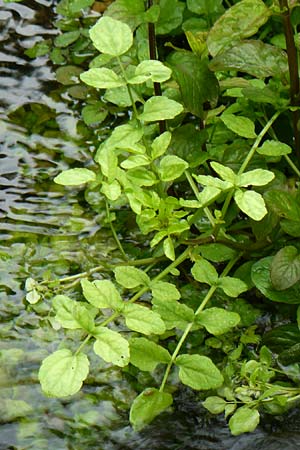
pixel 168 247
pixel 224 172
pixel 131 12
pixel 150 69
pixel 135 161
pixel 102 78
pixel 274 148
pixel 257 177
pixel 111 346
pixel 205 7
pixel 261 277
pixel 218 321
pixel 170 17
pixel 160 108
pixel 94 114
pixel 141 176
pixel 160 144
pixel 199 372
pixel 71 314
pixel 214 404
pixel 77 5
pixel 232 287
pixel 244 420
pixel 142 319
pixel 102 294
pixel 283 204
pixel 285 268
pixel 62 373
pixel 173 313
pixel 216 252
pixel 171 167
pixel 75 177
pixel 111 190
pixel 108 161
pixel 241 126
pixel 240 21
pixel 65 39
pixel 204 272
pixel 163 290
pixel 197 83
pixel 251 203
pixel 146 406
pixel 145 354
pixel 253 57
pixel 131 277
pixel 111 36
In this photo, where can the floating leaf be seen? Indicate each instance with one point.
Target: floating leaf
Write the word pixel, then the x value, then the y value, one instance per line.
pixel 251 203
pixel 285 268
pixel 244 420
pixel 145 354
pixel 218 321
pixel 240 21
pixel 198 372
pixel 111 36
pixel 146 406
pixel 111 346
pixel 160 108
pixel 102 78
pixel 62 373
pixel 242 126
pixel 75 177
pixel 142 319
pixel 131 277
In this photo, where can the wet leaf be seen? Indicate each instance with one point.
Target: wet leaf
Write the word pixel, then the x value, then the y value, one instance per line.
pixel 198 372
pixel 149 404
pixel 68 75
pixel 62 373
pixel 111 346
pixel 218 321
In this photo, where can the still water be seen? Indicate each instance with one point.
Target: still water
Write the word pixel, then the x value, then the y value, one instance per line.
pixel 46 229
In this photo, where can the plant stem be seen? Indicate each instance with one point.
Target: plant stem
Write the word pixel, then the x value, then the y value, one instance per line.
pixel 128 88
pixel 293 69
pixel 190 325
pixel 117 240
pixel 197 195
pixel 292 165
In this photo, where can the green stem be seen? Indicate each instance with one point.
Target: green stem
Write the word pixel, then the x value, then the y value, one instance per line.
pixel 128 88
pixel 117 240
pixel 197 195
pixel 188 328
pixel 292 165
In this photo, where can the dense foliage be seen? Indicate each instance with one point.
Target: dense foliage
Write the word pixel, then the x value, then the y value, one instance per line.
pixel 202 168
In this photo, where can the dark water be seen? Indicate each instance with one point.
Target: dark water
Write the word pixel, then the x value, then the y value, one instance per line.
pixel 43 228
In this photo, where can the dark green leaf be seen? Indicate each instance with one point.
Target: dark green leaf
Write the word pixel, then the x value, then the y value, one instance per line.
pixel 149 404
pixel 285 268
pixel 217 320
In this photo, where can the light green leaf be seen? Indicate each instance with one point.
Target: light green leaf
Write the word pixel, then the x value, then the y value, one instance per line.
pixel 214 404
pixel 218 321
pixel 257 177
pixel 198 372
pixel 77 5
pixel 171 167
pixel 111 190
pixel 163 290
pixel 152 70
pixel 274 148
pixel 251 203
pixel 285 268
pixel 142 319
pixel 102 294
pixel 75 177
pixel 204 272
pixel 135 161
pixel 94 113
pixel 125 136
pixel 102 78
pixel 111 346
pixel 242 126
pixel 146 406
pixel 131 277
pixel 141 176
pixel 160 144
pixel 168 247
pixel 62 373
pixel 108 161
pixel 111 36
pixel 232 287
pixel 224 172
pixel 253 57
pixel 66 39
pixel 205 7
pixel 145 354
pixel 160 108
pixel 33 297
pixel 244 420
pixel 72 314
pixel 240 21
pixel 173 313
pixel 215 186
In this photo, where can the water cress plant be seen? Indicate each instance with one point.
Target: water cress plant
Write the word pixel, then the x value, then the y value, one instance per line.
pixel 207 162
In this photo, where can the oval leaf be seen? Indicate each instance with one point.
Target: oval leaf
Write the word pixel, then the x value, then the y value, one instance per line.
pixel 217 320
pixel 274 148
pixel 160 108
pixel 244 420
pixel 251 203
pixel 242 126
pixel 102 78
pixel 285 268
pixel 145 354
pixel 131 277
pixel 111 346
pixel 111 36
pixel 199 372
pixel 142 319
pixel 149 404
pixel 62 373
pixel 171 167
pixel 75 177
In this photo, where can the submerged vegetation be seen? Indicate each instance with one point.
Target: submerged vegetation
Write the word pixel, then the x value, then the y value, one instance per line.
pixel 199 181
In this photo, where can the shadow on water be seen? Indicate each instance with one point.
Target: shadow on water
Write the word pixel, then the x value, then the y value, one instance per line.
pixel 43 228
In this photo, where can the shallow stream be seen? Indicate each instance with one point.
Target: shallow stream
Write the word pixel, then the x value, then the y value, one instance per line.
pixel 45 231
